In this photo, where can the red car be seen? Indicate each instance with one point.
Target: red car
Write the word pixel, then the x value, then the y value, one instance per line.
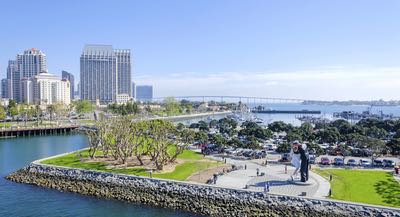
pixel 325 161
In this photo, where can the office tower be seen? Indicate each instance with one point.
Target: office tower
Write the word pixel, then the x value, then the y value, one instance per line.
pixel 4 88
pixel 27 64
pixel 45 89
pixel 13 79
pixel 100 68
pixel 144 93
pixel 78 91
pixel 70 77
pixel 133 90
pixel 124 71
pixel 26 90
pixel 31 63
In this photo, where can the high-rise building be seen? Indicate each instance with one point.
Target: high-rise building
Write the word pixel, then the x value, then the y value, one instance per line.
pixel 28 64
pixel 31 63
pixel 144 93
pixel 4 88
pixel 26 90
pixel 101 67
pixel 124 71
pixel 45 89
pixel 13 80
pixel 133 90
pixel 70 77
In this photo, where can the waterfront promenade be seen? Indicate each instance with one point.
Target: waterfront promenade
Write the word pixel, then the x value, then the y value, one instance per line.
pixel 280 182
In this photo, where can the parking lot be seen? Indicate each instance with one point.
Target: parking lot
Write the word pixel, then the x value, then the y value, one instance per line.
pixel 356 161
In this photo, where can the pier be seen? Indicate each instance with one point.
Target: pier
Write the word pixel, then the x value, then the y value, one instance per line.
pixel 32 131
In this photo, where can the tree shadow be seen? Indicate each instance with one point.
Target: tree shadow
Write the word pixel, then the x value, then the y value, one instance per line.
pixel 389 190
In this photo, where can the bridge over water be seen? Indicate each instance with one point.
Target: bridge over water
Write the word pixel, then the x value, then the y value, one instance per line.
pixel 243 99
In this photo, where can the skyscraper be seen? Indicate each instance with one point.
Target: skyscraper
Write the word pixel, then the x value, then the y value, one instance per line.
pixel 31 63
pixel 26 65
pixel 4 88
pixel 13 79
pixel 70 77
pixel 124 71
pixel 104 73
pixel 144 93
pixel 133 90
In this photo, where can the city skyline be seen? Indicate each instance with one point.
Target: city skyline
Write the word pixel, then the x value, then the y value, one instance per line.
pixel 333 50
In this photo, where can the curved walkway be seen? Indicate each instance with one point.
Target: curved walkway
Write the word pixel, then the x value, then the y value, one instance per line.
pixel 280 182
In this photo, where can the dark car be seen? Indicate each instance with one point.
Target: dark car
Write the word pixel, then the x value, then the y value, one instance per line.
pixel 377 163
pixel 338 161
pixel 351 162
pixel 285 157
pixel 325 161
pixel 311 159
pixel 388 163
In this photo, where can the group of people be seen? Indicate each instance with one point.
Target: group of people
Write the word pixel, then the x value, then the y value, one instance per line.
pixel 300 160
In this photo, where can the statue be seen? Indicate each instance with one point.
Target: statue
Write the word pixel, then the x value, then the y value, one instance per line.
pixel 300 158
pixel 295 160
pixel 304 157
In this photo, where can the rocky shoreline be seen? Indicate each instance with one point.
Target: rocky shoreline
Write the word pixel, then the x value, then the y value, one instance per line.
pixel 196 198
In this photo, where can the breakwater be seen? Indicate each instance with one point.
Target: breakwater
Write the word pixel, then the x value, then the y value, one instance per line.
pixel 196 198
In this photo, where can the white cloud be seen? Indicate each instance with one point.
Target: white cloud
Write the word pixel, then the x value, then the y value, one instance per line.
pixel 331 83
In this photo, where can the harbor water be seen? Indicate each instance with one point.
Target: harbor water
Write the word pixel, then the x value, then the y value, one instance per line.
pixel 27 200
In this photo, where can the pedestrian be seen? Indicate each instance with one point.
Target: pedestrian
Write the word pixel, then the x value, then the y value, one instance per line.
pixel 258 172
pixel 245 166
pixel 215 178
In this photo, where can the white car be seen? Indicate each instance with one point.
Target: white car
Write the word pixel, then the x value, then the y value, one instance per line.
pixel 365 163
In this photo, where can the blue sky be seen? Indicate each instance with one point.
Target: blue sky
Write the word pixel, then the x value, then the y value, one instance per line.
pixel 333 49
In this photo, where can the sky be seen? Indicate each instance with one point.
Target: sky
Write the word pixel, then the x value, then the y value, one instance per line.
pixel 321 50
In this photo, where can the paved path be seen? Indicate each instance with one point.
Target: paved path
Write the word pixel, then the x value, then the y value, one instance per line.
pixel 280 182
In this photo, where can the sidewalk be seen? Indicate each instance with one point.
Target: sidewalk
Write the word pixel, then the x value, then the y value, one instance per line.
pixel 279 181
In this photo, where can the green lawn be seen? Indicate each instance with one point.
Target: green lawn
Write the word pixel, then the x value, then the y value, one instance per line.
pixel 193 162
pixel 365 186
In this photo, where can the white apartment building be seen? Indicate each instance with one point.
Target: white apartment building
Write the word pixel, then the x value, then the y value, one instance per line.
pixel 46 89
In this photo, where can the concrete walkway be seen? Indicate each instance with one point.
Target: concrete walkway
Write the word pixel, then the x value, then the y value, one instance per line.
pixel 279 181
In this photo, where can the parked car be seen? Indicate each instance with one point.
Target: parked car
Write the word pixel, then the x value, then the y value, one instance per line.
pixel 352 162
pixel 378 163
pixel 260 154
pixel 338 161
pixel 365 163
pixel 285 157
pixel 311 159
pixel 325 161
pixel 388 163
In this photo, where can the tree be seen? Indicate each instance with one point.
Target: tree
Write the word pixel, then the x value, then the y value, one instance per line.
pixel 250 128
pixel 12 108
pixel 203 126
pixel 219 140
pixel 328 135
pixel 162 136
pixel 235 142
pixel 84 106
pixel 3 113
pixel 172 106
pixel 201 137
pixel 51 109
pixel 279 126
pixel 283 147
pixel 394 146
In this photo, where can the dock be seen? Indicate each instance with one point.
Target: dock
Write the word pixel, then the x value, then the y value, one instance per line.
pixel 32 131
pixel 286 111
